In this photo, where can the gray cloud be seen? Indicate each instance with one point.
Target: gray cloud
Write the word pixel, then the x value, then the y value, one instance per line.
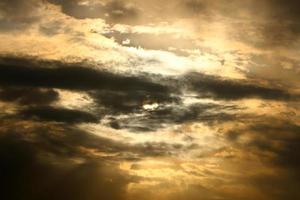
pixel 29 96
pixel 52 28
pixel 115 11
pixel 275 143
pixel 18 14
pixel 117 94
pixel 166 116
pixel 114 93
pixel 24 72
pixel 274 137
pixel 130 101
pixel 47 113
pixel 218 88
pixel 278 70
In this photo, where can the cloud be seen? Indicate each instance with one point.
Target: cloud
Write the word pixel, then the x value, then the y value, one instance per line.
pixel 45 167
pixel 52 28
pixel 268 35
pixel 120 11
pixel 57 161
pixel 287 137
pixel 44 155
pixel 284 9
pixel 105 87
pixel 218 88
pixel 18 14
pixel 275 69
pixel 274 23
pixel 168 115
pixel 168 41
pixel 24 72
pixel 28 96
pixel 116 94
pixel 114 11
pixel 277 187
pixel 113 93
pixel 275 139
pixel 48 113
pixel 66 141
pixel 130 101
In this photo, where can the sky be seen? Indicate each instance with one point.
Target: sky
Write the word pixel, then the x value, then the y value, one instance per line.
pixel 149 99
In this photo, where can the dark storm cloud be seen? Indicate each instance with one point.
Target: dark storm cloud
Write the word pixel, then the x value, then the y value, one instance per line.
pixel 115 11
pixel 116 94
pixel 47 113
pixel 30 73
pixel 218 88
pixel 130 101
pixel 28 96
pixel 22 72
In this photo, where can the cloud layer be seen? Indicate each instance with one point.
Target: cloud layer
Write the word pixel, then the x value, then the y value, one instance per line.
pixel 136 99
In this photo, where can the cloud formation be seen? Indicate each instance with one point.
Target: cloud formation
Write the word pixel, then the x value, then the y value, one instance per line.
pixel 47 113
pixel 42 168
pixel 28 96
pixel 18 14
pixel 136 99
pixel 210 86
pixel 115 95
pixel 275 144
pixel 114 11
pixel 22 72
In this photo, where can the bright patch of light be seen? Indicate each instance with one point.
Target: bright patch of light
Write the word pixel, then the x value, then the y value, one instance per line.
pixel 150 107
